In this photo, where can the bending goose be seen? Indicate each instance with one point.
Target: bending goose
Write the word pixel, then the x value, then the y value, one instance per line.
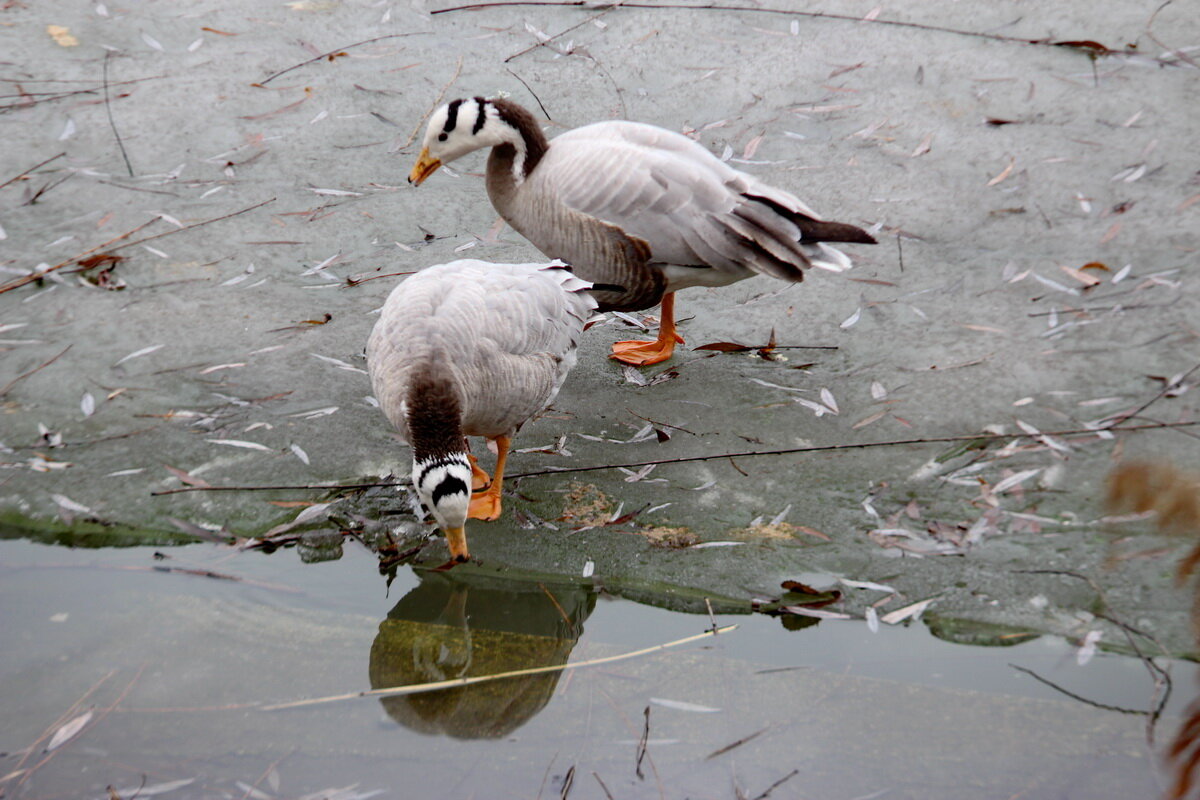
pixel 472 348
pixel 640 211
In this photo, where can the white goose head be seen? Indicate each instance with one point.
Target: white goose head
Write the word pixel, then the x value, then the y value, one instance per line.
pixel 463 126
pixel 444 485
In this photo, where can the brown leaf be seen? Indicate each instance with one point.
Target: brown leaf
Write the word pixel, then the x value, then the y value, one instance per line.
pixel 1087 45
pixel 186 478
pixel 726 347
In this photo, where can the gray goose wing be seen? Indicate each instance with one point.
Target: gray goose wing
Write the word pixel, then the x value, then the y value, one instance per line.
pixel 689 206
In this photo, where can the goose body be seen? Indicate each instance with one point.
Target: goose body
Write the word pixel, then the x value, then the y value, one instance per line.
pixel 638 210
pixel 472 348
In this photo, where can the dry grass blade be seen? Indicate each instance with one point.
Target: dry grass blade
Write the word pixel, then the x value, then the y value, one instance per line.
pixel 419 688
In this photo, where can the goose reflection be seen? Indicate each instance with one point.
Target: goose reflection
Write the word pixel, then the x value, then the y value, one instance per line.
pixel 455 626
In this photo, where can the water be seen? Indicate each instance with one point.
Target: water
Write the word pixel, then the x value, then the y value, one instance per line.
pixel 179 666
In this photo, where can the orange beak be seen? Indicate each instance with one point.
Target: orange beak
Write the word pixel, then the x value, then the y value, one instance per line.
pixel 426 165
pixel 456 538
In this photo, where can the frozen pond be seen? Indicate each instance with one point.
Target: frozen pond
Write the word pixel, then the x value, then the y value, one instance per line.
pixel 203 205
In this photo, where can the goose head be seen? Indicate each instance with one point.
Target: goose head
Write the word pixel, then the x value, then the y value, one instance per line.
pixel 465 125
pixel 444 485
pixel 441 472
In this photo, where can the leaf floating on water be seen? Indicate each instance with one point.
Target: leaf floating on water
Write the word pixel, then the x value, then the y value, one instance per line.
pixel 852 319
pixel 914 610
pixel 679 705
pixel 68 130
pixel 88 404
pixel 69 731
pixel 1087 650
pixel 154 43
pixel 878 391
pixel 872 617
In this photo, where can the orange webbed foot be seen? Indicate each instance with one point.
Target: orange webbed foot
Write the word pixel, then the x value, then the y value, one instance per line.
pixel 642 354
pixel 485 506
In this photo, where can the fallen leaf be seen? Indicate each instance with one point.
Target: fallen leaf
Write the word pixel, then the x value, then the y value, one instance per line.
pixel 901 614
pixel 62 36
pixel 1004 173
pixel 69 731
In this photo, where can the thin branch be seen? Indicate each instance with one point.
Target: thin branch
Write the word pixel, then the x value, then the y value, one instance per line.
pixel 432 108
pixel 532 94
pixel 1119 418
pixel 111 123
pixel 17 283
pixel 25 375
pixel 767 792
pixel 420 688
pixel 334 52
pixel 31 169
pixel 1078 697
pixel 999 437
pixel 997 37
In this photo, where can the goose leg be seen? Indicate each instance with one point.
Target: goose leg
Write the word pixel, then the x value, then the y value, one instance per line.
pixel 641 354
pixel 485 505
pixel 479 478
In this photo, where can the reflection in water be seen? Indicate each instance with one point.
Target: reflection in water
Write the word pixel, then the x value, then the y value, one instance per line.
pixel 453 626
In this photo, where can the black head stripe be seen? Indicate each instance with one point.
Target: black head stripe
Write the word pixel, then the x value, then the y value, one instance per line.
pixel 448 485
pixel 480 118
pixel 452 116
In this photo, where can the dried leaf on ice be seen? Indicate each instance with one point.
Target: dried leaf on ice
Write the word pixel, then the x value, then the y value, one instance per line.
pixel 240 443
pixel 1003 173
pixel 62 36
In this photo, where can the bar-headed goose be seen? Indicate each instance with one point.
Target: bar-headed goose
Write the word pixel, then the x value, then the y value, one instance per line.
pixel 472 348
pixel 643 210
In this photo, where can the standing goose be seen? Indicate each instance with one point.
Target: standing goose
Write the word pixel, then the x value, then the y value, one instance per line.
pixel 639 210
pixel 472 348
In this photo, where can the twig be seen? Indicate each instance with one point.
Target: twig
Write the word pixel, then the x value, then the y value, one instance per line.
pixel 723 750
pixel 607 793
pixel 17 283
pixel 688 459
pixel 767 792
pixel 642 743
pixel 997 37
pixel 279 488
pixel 25 375
pixel 436 103
pixel 1074 696
pixel 111 123
pixel 533 94
pixel 1119 418
pixel 334 52
pixel 420 688
pixel 31 169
